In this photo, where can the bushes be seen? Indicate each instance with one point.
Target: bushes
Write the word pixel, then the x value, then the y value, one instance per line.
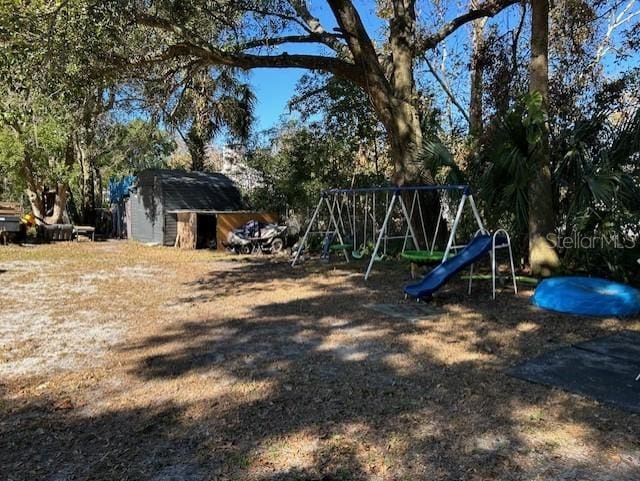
pixel 599 195
pixel 595 176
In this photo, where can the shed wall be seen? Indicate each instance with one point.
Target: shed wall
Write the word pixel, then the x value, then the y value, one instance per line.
pixel 170 229
pixel 147 221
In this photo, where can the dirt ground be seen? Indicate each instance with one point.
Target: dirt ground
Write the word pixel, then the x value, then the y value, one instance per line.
pixel 125 362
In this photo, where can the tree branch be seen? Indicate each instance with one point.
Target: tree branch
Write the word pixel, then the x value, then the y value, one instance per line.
pixel 446 88
pixel 315 27
pixel 353 29
pixel 282 16
pixel 306 96
pixel 194 46
pixel 364 55
pixel 516 39
pixel 615 22
pixel 273 41
pixel 488 9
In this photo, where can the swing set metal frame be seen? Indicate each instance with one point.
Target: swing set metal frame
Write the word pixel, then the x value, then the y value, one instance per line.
pixel 329 201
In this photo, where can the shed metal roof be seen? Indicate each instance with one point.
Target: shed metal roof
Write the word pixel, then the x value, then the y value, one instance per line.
pixel 190 191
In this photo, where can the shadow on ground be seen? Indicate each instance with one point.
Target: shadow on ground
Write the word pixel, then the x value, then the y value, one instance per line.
pixel 312 385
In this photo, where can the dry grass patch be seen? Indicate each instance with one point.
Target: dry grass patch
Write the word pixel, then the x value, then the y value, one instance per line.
pixel 121 361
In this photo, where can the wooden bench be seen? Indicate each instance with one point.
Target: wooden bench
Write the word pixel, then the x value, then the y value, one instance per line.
pixel 10 209
pixel 87 230
pixel 10 213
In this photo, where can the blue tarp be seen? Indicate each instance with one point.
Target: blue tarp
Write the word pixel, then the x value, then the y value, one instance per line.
pixel 589 296
pixel 119 189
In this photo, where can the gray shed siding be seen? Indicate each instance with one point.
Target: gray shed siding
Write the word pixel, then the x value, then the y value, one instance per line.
pixel 147 222
pixel 170 229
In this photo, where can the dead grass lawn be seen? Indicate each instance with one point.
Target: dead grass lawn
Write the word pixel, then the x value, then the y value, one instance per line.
pixel 119 361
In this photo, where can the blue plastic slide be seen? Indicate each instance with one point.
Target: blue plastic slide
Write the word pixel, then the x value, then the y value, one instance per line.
pixel 477 248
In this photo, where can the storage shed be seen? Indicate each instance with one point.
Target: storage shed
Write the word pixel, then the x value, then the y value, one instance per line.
pixel 159 195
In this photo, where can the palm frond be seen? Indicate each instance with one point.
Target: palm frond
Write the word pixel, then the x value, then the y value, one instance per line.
pixel 436 158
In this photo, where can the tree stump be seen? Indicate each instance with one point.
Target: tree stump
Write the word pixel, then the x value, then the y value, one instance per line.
pixel 187 234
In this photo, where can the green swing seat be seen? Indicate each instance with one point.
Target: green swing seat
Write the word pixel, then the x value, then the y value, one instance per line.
pixel 424 257
pixel 340 247
pixel 362 253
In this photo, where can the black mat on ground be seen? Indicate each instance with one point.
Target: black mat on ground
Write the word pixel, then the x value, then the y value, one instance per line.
pixel 604 369
pixel 623 345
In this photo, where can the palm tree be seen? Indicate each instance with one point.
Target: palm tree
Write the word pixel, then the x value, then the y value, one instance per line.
pixel 595 183
pixel 596 178
pixel 209 101
pixel 197 102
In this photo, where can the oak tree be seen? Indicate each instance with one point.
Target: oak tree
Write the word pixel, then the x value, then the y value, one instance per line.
pixel 245 35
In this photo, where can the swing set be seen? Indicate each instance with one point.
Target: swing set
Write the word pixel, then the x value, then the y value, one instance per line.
pixel 337 204
pixel 341 207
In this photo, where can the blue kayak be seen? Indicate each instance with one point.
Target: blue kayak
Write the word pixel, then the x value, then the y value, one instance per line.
pixel 587 296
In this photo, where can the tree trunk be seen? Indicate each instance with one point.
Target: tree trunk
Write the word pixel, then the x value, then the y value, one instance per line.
pixel 76 153
pixel 405 136
pixel 187 235
pixel 97 176
pixel 542 257
pixel 197 148
pixel 404 130
pixel 34 189
pixel 393 98
pixel 37 205
pixel 475 104
pixel 59 205
pixel 87 185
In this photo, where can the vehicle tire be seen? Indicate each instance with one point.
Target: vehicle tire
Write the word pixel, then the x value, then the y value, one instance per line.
pixel 277 245
pixel 245 249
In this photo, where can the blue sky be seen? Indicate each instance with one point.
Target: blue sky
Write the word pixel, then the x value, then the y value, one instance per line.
pixel 274 87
